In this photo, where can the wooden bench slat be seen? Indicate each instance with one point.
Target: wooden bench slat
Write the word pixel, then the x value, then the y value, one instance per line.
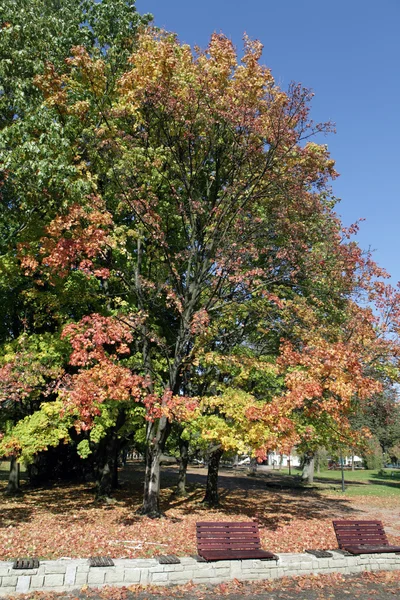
pixel 228 546
pixel 239 554
pixel 229 524
pixel 372 549
pixel 224 540
pixel 362 537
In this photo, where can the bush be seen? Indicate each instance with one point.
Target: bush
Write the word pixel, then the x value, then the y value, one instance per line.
pixel 373 455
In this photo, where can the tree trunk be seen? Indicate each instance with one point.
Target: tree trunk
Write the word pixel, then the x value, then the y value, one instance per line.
pixel 352 462
pixel 211 497
pixel 157 434
pixel 183 463
pixel 13 488
pixel 308 468
pixel 253 466
pixel 318 462
pixel 104 485
pixel 108 471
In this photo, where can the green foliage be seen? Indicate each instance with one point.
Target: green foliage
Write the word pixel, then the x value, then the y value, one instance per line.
pixel 35 433
pixel 42 175
pixel 373 455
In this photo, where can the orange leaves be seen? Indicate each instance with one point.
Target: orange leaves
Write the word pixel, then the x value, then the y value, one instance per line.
pixel 90 336
pixel 97 343
pixel 91 71
pixel 84 392
pixel 62 91
pixel 331 374
pixel 73 241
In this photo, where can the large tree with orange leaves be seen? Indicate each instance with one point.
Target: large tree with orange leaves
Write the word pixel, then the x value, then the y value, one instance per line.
pixel 209 234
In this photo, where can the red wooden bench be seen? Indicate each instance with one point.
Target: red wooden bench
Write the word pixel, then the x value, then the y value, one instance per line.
pixel 362 537
pixel 225 541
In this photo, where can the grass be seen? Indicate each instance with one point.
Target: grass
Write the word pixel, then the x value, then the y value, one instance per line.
pixel 5 469
pixel 361 482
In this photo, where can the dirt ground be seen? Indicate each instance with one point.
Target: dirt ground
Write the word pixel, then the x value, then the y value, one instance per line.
pixel 64 520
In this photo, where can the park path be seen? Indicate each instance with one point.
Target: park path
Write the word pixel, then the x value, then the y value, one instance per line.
pixel 385 586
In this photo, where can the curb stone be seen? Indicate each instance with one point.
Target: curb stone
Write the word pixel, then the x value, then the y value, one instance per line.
pixel 71 574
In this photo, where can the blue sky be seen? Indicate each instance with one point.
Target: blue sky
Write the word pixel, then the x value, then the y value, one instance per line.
pixel 348 52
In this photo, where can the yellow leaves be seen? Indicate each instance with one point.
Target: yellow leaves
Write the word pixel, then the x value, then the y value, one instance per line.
pixel 241 368
pixel 68 93
pixel 92 72
pixel 80 108
pixel 240 422
pixel 196 86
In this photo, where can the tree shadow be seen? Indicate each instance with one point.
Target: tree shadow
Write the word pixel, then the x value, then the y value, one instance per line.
pixel 15 514
pixel 251 497
pixel 393 484
pixel 240 495
pixel 338 481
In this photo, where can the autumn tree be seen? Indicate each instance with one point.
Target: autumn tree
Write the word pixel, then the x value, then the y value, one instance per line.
pixel 39 177
pixel 214 194
pixel 197 224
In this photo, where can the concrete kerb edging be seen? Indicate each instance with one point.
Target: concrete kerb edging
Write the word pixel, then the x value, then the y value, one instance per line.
pixel 71 574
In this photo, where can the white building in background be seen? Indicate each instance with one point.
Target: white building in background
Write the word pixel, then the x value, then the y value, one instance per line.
pixel 348 460
pixel 275 459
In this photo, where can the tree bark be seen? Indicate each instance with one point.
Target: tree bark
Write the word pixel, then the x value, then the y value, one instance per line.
pixel 183 463
pixel 211 497
pixel 108 471
pixel 253 466
pixel 318 463
pixel 157 434
pixel 13 488
pixel 308 468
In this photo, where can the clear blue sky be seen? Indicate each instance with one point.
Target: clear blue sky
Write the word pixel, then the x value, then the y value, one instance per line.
pixel 348 52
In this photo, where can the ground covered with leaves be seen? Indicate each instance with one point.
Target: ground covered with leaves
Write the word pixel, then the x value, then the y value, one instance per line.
pixel 64 520
pixel 369 586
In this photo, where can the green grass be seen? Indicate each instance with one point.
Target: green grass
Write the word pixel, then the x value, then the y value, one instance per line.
pixel 362 482
pixel 5 469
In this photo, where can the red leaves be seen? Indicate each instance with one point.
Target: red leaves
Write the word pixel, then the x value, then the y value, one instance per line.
pixel 98 342
pixel 73 241
pixel 200 321
pixel 89 337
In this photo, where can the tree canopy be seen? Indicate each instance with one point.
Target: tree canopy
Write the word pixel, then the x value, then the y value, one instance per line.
pixel 172 239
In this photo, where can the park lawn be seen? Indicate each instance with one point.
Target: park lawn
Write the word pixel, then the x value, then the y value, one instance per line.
pixel 365 483
pixel 64 520
pixel 361 482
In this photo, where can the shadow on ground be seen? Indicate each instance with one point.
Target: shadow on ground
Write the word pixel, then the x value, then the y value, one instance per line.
pixel 273 499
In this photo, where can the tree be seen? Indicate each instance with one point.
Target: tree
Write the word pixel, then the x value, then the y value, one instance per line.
pixel 197 218
pixel 205 168
pixel 38 178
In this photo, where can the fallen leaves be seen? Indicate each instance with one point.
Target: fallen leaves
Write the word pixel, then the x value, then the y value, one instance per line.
pixel 67 521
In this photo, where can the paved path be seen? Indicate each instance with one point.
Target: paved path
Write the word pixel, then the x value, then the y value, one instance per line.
pixel 352 587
